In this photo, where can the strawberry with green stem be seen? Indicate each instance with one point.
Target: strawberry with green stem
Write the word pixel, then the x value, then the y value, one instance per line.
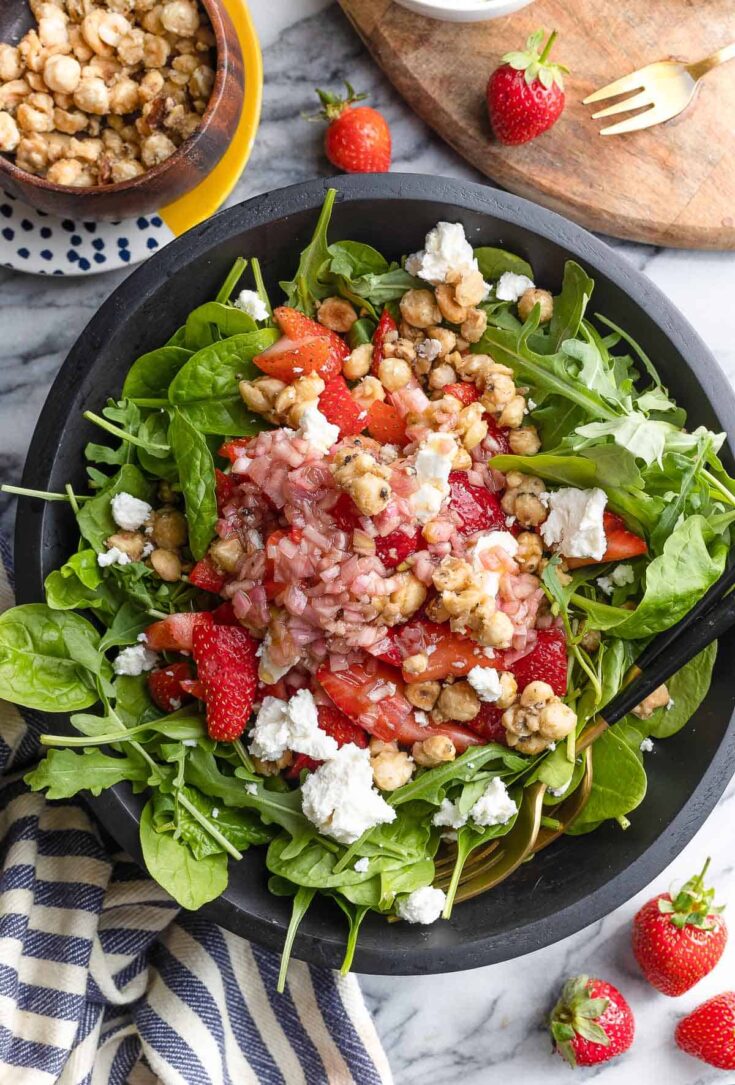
pixel 591 1023
pixel 358 138
pixel 525 95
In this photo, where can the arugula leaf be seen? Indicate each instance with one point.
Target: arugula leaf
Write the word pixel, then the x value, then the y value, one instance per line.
pixel 570 305
pixel 191 882
pixel 196 473
pixel 95 517
pixel 49 659
pixel 206 388
pixel 307 287
pixel 431 786
pixel 64 773
pixel 150 375
pixel 495 262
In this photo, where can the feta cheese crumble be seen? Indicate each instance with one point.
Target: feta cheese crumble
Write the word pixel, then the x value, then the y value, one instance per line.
pixel 113 556
pixel 251 788
pixel 290 725
pixel 445 249
pixel 422 906
pixel 449 815
pixel 495 806
pixel 251 303
pixel 134 661
pixel 510 287
pixel 339 797
pixel 433 464
pixel 362 865
pixel 129 512
pixel 502 539
pixel 574 525
pixel 430 349
pixel 315 429
pixel 621 574
pixel 486 683
pixel 646 745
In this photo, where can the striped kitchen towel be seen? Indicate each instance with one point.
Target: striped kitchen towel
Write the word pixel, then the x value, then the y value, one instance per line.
pixel 104 982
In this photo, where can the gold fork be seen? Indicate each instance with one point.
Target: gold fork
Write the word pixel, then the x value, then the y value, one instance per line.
pixel 664 89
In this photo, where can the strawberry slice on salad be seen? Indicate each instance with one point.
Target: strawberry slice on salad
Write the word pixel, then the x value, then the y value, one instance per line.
pixel 546 662
pixel 305 347
pixel 166 686
pixel 339 408
pixel 622 544
pixel 207 576
pixel 342 730
pixel 385 424
pixel 385 324
pixel 172 634
pixel 227 667
pixel 448 653
pixel 372 695
pixel 476 508
pixel 466 393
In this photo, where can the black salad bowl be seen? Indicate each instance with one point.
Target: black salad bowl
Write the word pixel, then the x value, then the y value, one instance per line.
pixel 579 879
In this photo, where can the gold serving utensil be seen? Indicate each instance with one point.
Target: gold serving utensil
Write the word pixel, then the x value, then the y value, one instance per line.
pixel 661 90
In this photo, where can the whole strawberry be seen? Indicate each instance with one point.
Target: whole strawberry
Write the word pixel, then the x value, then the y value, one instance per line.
pixel 678 941
pixel 709 1032
pixel 525 95
pixel 591 1022
pixel 358 138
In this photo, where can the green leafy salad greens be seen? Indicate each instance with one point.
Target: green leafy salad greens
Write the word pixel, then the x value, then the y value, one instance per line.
pixel 605 420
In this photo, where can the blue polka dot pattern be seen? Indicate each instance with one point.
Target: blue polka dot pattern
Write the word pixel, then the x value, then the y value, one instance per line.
pixel 53 246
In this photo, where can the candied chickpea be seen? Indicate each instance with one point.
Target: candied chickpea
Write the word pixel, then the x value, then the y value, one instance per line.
pixel 32 119
pixel 11 66
pixel 591 640
pixel 658 699
pixel 391 769
pixel 416 664
pixel 532 297
pixel 530 552
pixel 524 441
pixel 508 690
pixel 13 93
pixel 128 542
pixel 394 373
pixel 409 595
pixel 445 337
pixel 441 375
pixel 367 392
pixel 124 96
pixel 168 528
pixel 62 73
pixel 32 153
pixel 371 494
pixel 419 308
pixel 359 362
pixel 272 768
pixel 155 149
pixel 469 287
pixel 453 574
pixel 69 171
pixel 180 17
pixel 499 390
pixel 513 413
pixel 167 564
pixel 434 750
pixel 9 133
pixel 458 701
pixel 536 695
pixel 92 96
pixel 449 307
pixel 155 51
pixel 91 24
pixel 496 630
pixel 125 169
pixel 556 721
pixel 150 86
pixel 474 325
pixel 423 695
pixel 201 85
pixel 227 553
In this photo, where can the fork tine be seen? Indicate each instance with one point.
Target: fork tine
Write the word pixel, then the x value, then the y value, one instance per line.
pixel 655 115
pixel 636 102
pixel 630 82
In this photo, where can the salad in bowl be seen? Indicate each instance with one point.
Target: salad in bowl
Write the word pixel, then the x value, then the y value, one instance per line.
pixel 356 571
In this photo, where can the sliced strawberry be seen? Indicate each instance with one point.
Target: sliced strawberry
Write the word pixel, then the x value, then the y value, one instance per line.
pixel 394 548
pixel 546 662
pixel 305 347
pixel 340 727
pixel 390 718
pixel 172 634
pixel 227 667
pixel 166 686
pixel 476 508
pixel 622 545
pixel 207 576
pixel 233 450
pixel 225 487
pixel 393 653
pixel 195 688
pixel 386 425
pixel 449 653
pixel 385 324
pixel 224 614
pixel 339 408
pixel 297 326
pixel 345 513
pixel 487 723
pixel 498 436
pixel 466 393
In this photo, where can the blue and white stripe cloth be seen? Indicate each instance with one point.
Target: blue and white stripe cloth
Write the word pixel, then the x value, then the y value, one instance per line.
pixel 104 982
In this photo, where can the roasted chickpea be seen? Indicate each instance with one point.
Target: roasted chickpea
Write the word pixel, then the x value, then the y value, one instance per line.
pixel 423 695
pixel 532 297
pixel 449 307
pixel 167 564
pixel 458 702
pixel 169 528
pixel 524 441
pixel 419 308
pixel 434 750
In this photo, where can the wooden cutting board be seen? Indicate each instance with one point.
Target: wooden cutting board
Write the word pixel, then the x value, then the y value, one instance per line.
pixel 669 185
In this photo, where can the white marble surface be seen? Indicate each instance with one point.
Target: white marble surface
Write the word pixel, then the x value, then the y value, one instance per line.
pixel 485 1025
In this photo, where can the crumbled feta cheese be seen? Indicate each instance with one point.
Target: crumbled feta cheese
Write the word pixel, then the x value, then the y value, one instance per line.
pixel 251 303
pixel 113 556
pixel 495 806
pixel 646 745
pixel 215 811
pixel 148 548
pixel 422 906
pixel 251 788
pixel 362 865
pixel 445 249
pixel 339 797
pixel 433 464
pixel 531 404
pixel 449 815
pixel 421 718
pixel 557 792
pixel 575 525
pixel 290 725
pixel 621 574
pixel 486 683
pixel 489 653
pixel 129 512
pixel 510 287
pixel 670 704
pixel 174 703
pixel 315 429
pixel 188 742
pixel 503 539
pixel 430 349
pixel 134 661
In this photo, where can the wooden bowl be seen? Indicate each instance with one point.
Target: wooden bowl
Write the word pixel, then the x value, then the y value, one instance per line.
pixel 184 170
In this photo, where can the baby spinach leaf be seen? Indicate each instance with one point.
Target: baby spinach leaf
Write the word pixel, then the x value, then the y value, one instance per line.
pixel 362 331
pixel 150 375
pixel 191 882
pixel 196 473
pixel 351 259
pixel 127 624
pixel 234 275
pixel 618 782
pixel 495 262
pixel 687 690
pixel 570 305
pixel 206 389
pixel 49 659
pixel 64 773
pixel 79 584
pixel 95 517
pixel 152 458
pixel 203 324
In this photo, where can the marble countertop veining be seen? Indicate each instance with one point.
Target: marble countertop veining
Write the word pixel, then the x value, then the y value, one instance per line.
pixel 484 1025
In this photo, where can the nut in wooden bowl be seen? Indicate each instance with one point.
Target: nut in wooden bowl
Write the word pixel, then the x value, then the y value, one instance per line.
pixel 114 108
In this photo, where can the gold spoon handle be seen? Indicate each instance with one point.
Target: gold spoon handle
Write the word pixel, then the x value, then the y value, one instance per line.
pixel 701 67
